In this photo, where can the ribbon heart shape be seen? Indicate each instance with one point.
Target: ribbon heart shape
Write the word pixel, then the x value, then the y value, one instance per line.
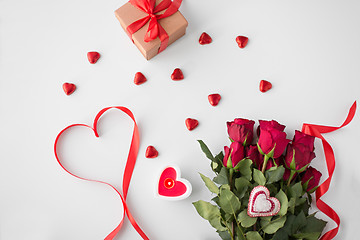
pixel 261 204
pixel 155 29
pixel 129 167
pixel 171 186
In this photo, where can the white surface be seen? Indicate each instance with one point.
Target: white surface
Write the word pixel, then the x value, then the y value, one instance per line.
pixel 308 49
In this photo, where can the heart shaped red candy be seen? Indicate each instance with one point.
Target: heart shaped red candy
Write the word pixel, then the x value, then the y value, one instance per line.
pixel 171 186
pixel 265 86
pixel 177 75
pixel 93 57
pixel 151 152
pixel 205 39
pixel 139 78
pixel 191 123
pixel 69 88
pixel 261 204
pixel 242 41
pixel 214 99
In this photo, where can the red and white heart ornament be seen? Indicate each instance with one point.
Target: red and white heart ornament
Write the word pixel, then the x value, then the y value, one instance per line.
pixel 171 186
pixel 261 204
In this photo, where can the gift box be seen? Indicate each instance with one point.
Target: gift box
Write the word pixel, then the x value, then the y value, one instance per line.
pixel 166 23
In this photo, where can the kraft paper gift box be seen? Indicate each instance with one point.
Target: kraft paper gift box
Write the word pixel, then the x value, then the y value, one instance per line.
pixel 174 25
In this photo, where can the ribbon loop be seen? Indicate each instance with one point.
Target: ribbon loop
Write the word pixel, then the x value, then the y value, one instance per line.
pixel 316 131
pixel 129 167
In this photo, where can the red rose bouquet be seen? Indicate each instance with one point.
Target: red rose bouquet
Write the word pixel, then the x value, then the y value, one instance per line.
pixel 263 184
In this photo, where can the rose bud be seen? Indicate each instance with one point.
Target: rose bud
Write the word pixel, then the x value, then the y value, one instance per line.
pixel 311 179
pixel 241 130
pixel 298 157
pixel 233 155
pixel 275 162
pixel 287 175
pixel 272 140
pixel 304 139
pixel 253 154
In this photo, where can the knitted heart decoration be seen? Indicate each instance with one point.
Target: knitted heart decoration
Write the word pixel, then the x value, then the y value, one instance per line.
pixel 171 186
pixel 261 204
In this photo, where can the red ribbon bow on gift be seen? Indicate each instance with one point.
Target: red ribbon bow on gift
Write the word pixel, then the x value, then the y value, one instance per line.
pixel 155 29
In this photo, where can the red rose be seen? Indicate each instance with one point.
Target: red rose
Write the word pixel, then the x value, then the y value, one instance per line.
pixel 312 178
pixel 272 140
pixel 241 130
pixel 258 159
pixel 271 124
pixel 304 139
pixel 233 155
pixel 298 157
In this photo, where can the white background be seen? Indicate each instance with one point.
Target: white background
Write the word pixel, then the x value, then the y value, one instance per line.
pixel 308 49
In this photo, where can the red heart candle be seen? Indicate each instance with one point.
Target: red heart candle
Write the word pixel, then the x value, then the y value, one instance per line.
pixel 171 186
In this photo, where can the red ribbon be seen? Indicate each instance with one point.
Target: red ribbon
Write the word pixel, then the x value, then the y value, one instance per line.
pixel 129 167
pixel 155 29
pixel 316 131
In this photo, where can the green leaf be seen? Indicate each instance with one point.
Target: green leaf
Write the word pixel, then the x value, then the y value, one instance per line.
pixel 228 201
pixel 252 235
pixel 259 177
pixel 214 166
pixel 239 235
pixel 313 224
pixel 244 167
pixel 241 186
pixel 285 231
pixel 210 184
pixel 292 203
pixel 216 223
pixel 222 177
pixel 267 219
pixel 281 196
pixel 299 222
pixel 206 150
pixel 300 201
pixel 224 235
pixel 206 210
pixel 217 164
pixel 215 199
pixel 307 236
pixel 228 218
pixel 225 186
pixel 274 225
pixel 245 220
pixel 297 189
pixel 281 235
pixel 274 174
